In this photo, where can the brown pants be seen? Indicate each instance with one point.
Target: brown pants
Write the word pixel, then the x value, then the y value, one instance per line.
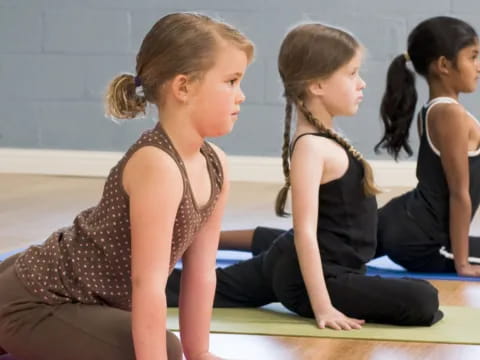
pixel 33 330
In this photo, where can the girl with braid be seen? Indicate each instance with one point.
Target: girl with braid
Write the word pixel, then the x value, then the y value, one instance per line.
pixel 427 229
pixel 317 269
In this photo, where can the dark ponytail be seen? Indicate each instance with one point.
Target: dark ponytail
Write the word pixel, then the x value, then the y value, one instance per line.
pixel 398 107
pixel 428 41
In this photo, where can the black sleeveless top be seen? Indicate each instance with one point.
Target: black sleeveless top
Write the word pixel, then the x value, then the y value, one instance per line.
pixel 347 220
pixel 428 203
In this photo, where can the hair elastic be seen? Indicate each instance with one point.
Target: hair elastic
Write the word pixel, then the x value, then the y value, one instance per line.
pixel 138 81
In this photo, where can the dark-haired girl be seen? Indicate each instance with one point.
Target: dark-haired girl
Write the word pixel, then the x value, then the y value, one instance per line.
pixel 427 229
pixel 318 269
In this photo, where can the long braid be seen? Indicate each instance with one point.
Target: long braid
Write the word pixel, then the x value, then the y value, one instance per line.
pixel 282 194
pixel 369 186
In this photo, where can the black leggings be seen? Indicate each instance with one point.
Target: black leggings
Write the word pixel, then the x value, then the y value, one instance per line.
pixel 406 243
pixel 273 275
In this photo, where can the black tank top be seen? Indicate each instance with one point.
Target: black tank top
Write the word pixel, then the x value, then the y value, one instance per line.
pixel 347 220
pixel 428 203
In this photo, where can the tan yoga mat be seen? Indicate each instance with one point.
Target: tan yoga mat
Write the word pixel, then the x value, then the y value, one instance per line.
pixel 460 325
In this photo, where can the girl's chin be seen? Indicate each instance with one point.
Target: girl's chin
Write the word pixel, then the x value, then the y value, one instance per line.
pixel 351 112
pixel 220 132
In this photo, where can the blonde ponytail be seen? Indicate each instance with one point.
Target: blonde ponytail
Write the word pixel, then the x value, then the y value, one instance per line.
pixel 122 100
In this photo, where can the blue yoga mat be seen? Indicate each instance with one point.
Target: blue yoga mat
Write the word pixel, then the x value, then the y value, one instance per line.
pixel 9 253
pixel 385 267
pixel 382 266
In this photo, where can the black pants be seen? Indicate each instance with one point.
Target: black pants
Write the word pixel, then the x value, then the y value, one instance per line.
pixel 273 274
pixel 405 242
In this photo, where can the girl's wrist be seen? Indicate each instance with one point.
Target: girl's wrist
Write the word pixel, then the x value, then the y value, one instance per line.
pixel 461 264
pixel 321 308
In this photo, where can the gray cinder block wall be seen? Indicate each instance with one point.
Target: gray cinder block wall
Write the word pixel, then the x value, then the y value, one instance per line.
pixel 56 57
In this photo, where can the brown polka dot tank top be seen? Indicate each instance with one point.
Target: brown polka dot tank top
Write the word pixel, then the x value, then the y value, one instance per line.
pixel 89 262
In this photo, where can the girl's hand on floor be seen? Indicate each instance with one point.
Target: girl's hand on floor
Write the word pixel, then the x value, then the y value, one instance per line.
pixel 468 270
pixel 334 319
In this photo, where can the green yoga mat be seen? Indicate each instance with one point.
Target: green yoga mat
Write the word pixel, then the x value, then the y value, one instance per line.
pixel 459 325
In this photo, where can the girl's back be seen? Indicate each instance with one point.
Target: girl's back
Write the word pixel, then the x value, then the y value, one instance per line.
pixel 89 262
pixel 347 219
pixel 427 229
pixel 428 203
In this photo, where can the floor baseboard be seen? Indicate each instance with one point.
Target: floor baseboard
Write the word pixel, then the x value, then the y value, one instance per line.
pixel 242 168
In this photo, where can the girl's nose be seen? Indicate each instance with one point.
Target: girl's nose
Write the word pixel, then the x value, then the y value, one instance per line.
pixel 240 97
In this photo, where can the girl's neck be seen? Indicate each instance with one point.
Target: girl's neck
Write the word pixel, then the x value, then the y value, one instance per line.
pixel 440 89
pixel 320 114
pixel 183 135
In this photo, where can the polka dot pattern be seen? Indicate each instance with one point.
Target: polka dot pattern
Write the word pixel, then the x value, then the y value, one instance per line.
pixel 89 262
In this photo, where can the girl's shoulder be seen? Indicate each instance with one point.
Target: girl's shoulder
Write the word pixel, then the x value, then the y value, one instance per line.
pixel 322 145
pixel 323 159
pixel 453 110
pixel 318 150
pixel 447 115
pixel 150 163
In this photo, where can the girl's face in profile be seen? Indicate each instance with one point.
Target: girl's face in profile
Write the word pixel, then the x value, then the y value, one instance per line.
pixel 467 69
pixel 343 90
pixel 218 96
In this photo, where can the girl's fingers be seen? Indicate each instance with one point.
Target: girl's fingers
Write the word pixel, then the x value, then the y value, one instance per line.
pixel 358 322
pixel 333 325
pixel 345 323
pixel 355 325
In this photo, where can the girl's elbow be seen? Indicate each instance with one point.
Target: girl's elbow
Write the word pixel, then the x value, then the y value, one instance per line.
pixel 154 287
pixel 460 197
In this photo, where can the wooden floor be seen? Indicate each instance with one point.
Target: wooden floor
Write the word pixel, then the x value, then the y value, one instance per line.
pixel 31 207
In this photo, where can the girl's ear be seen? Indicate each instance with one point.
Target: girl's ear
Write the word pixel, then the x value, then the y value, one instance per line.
pixel 442 66
pixel 316 88
pixel 180 86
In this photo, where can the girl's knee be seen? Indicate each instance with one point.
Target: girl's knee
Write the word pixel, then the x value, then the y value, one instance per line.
pixel 422 305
